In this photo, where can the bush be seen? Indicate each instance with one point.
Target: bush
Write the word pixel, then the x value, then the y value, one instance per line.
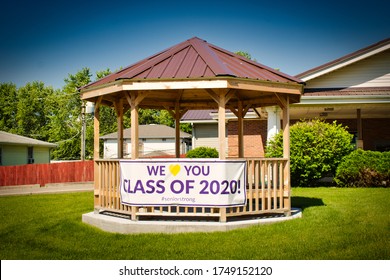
pixel 203 152
pixel 316 149
pixel 364 169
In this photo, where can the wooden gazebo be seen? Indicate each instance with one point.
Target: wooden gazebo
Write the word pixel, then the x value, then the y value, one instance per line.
pixel 188 76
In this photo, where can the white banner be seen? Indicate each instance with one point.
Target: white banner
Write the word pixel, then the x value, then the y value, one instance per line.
pixel 219 183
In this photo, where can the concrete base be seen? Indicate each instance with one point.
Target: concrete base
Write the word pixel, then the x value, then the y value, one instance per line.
pixel 124 225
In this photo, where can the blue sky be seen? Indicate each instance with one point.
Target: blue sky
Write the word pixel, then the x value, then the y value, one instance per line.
pixel 46 41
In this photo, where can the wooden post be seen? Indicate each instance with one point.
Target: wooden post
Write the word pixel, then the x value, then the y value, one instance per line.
pixel 222 125
pixel 119 113
pixel 132 100
pixel 222 141
pixel 96 132
pixel 240 119
pixel 286 154
pixel 134 128
pixel 359 140
pixel 177 129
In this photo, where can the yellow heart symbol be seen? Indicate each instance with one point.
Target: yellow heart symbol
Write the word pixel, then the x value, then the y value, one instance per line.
pixel 174 168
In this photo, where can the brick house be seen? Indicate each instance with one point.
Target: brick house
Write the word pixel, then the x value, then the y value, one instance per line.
pixel 354 90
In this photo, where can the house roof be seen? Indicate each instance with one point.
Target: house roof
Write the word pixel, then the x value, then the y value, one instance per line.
pixel 197 115
pixel 350 91
pixel 149 131
pixel 14 139
pixel 196 58
pixel 345 60
pixel 211 116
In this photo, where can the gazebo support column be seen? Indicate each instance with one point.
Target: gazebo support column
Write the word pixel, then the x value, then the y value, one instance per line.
pixel 177 114
pixel 177 129
pixel 286 154
pixel 240 119
pixel 134 129
pixel 119 113
pixel 222 141
pixel 222 126
pixel 96 152
pixel 240 113
pixel 359 141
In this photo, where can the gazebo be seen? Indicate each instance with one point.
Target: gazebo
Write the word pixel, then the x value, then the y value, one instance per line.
pixel 195 75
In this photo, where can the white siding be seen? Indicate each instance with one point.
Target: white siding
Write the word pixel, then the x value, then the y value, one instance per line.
pixel 14 155
pixel 41 154
pixel 158 146
pixel 110 149
pixel 206 135
pixel 373 71
pixel 148 147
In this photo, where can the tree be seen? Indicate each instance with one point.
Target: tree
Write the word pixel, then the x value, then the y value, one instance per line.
pixel 65 124
pixel 316 149
pixel 34 109
pixel 244 54
pixel 8 107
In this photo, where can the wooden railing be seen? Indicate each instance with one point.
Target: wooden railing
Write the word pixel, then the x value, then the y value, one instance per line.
pixel 267 192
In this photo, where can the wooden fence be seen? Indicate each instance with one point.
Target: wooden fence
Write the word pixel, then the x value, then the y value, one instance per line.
pixel 42 174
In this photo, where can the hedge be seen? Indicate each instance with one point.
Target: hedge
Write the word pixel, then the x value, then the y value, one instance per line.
pixel 203 152
pixel 316 149
pixel 364 169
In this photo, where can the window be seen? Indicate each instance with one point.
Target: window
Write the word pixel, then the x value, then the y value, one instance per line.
pixel 30 155
pixel 1 156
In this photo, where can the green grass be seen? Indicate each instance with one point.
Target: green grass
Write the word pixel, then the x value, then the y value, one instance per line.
pixel 336 224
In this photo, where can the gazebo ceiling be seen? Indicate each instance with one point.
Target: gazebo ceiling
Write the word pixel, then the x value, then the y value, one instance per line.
pixel 193 74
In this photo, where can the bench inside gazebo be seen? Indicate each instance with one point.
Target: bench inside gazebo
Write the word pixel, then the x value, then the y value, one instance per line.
pixel 192 75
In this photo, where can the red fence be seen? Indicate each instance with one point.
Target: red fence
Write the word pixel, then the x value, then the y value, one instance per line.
pixel 29 174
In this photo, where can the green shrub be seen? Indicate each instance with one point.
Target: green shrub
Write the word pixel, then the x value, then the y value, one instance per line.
pixel 316 149
pixel 364 169
pixel 203 152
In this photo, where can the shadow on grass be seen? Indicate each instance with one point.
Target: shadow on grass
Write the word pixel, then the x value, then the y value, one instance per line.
pixel 306 202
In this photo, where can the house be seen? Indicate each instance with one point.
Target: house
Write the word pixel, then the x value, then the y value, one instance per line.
pixel 205 131
pixel 354 90
pixel 18 150
pixel 154 141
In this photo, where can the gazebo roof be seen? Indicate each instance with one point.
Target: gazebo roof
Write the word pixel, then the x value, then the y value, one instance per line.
pixel 196 58
pixel 192 71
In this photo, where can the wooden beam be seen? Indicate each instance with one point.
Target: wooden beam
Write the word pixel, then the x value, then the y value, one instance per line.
pixel 213 95
pixel 175 84
pixel 281 101
pixel 246 109
pixel 266 86
pixel 183 105
pixel 230 93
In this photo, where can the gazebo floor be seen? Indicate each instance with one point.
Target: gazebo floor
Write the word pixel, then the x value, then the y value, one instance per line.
pixel 122 224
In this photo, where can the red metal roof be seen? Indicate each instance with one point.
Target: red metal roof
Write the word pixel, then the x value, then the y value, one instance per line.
pixel 195 58
pixel 197 115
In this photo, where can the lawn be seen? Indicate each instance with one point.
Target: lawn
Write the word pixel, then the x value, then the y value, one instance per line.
pixel 336 224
